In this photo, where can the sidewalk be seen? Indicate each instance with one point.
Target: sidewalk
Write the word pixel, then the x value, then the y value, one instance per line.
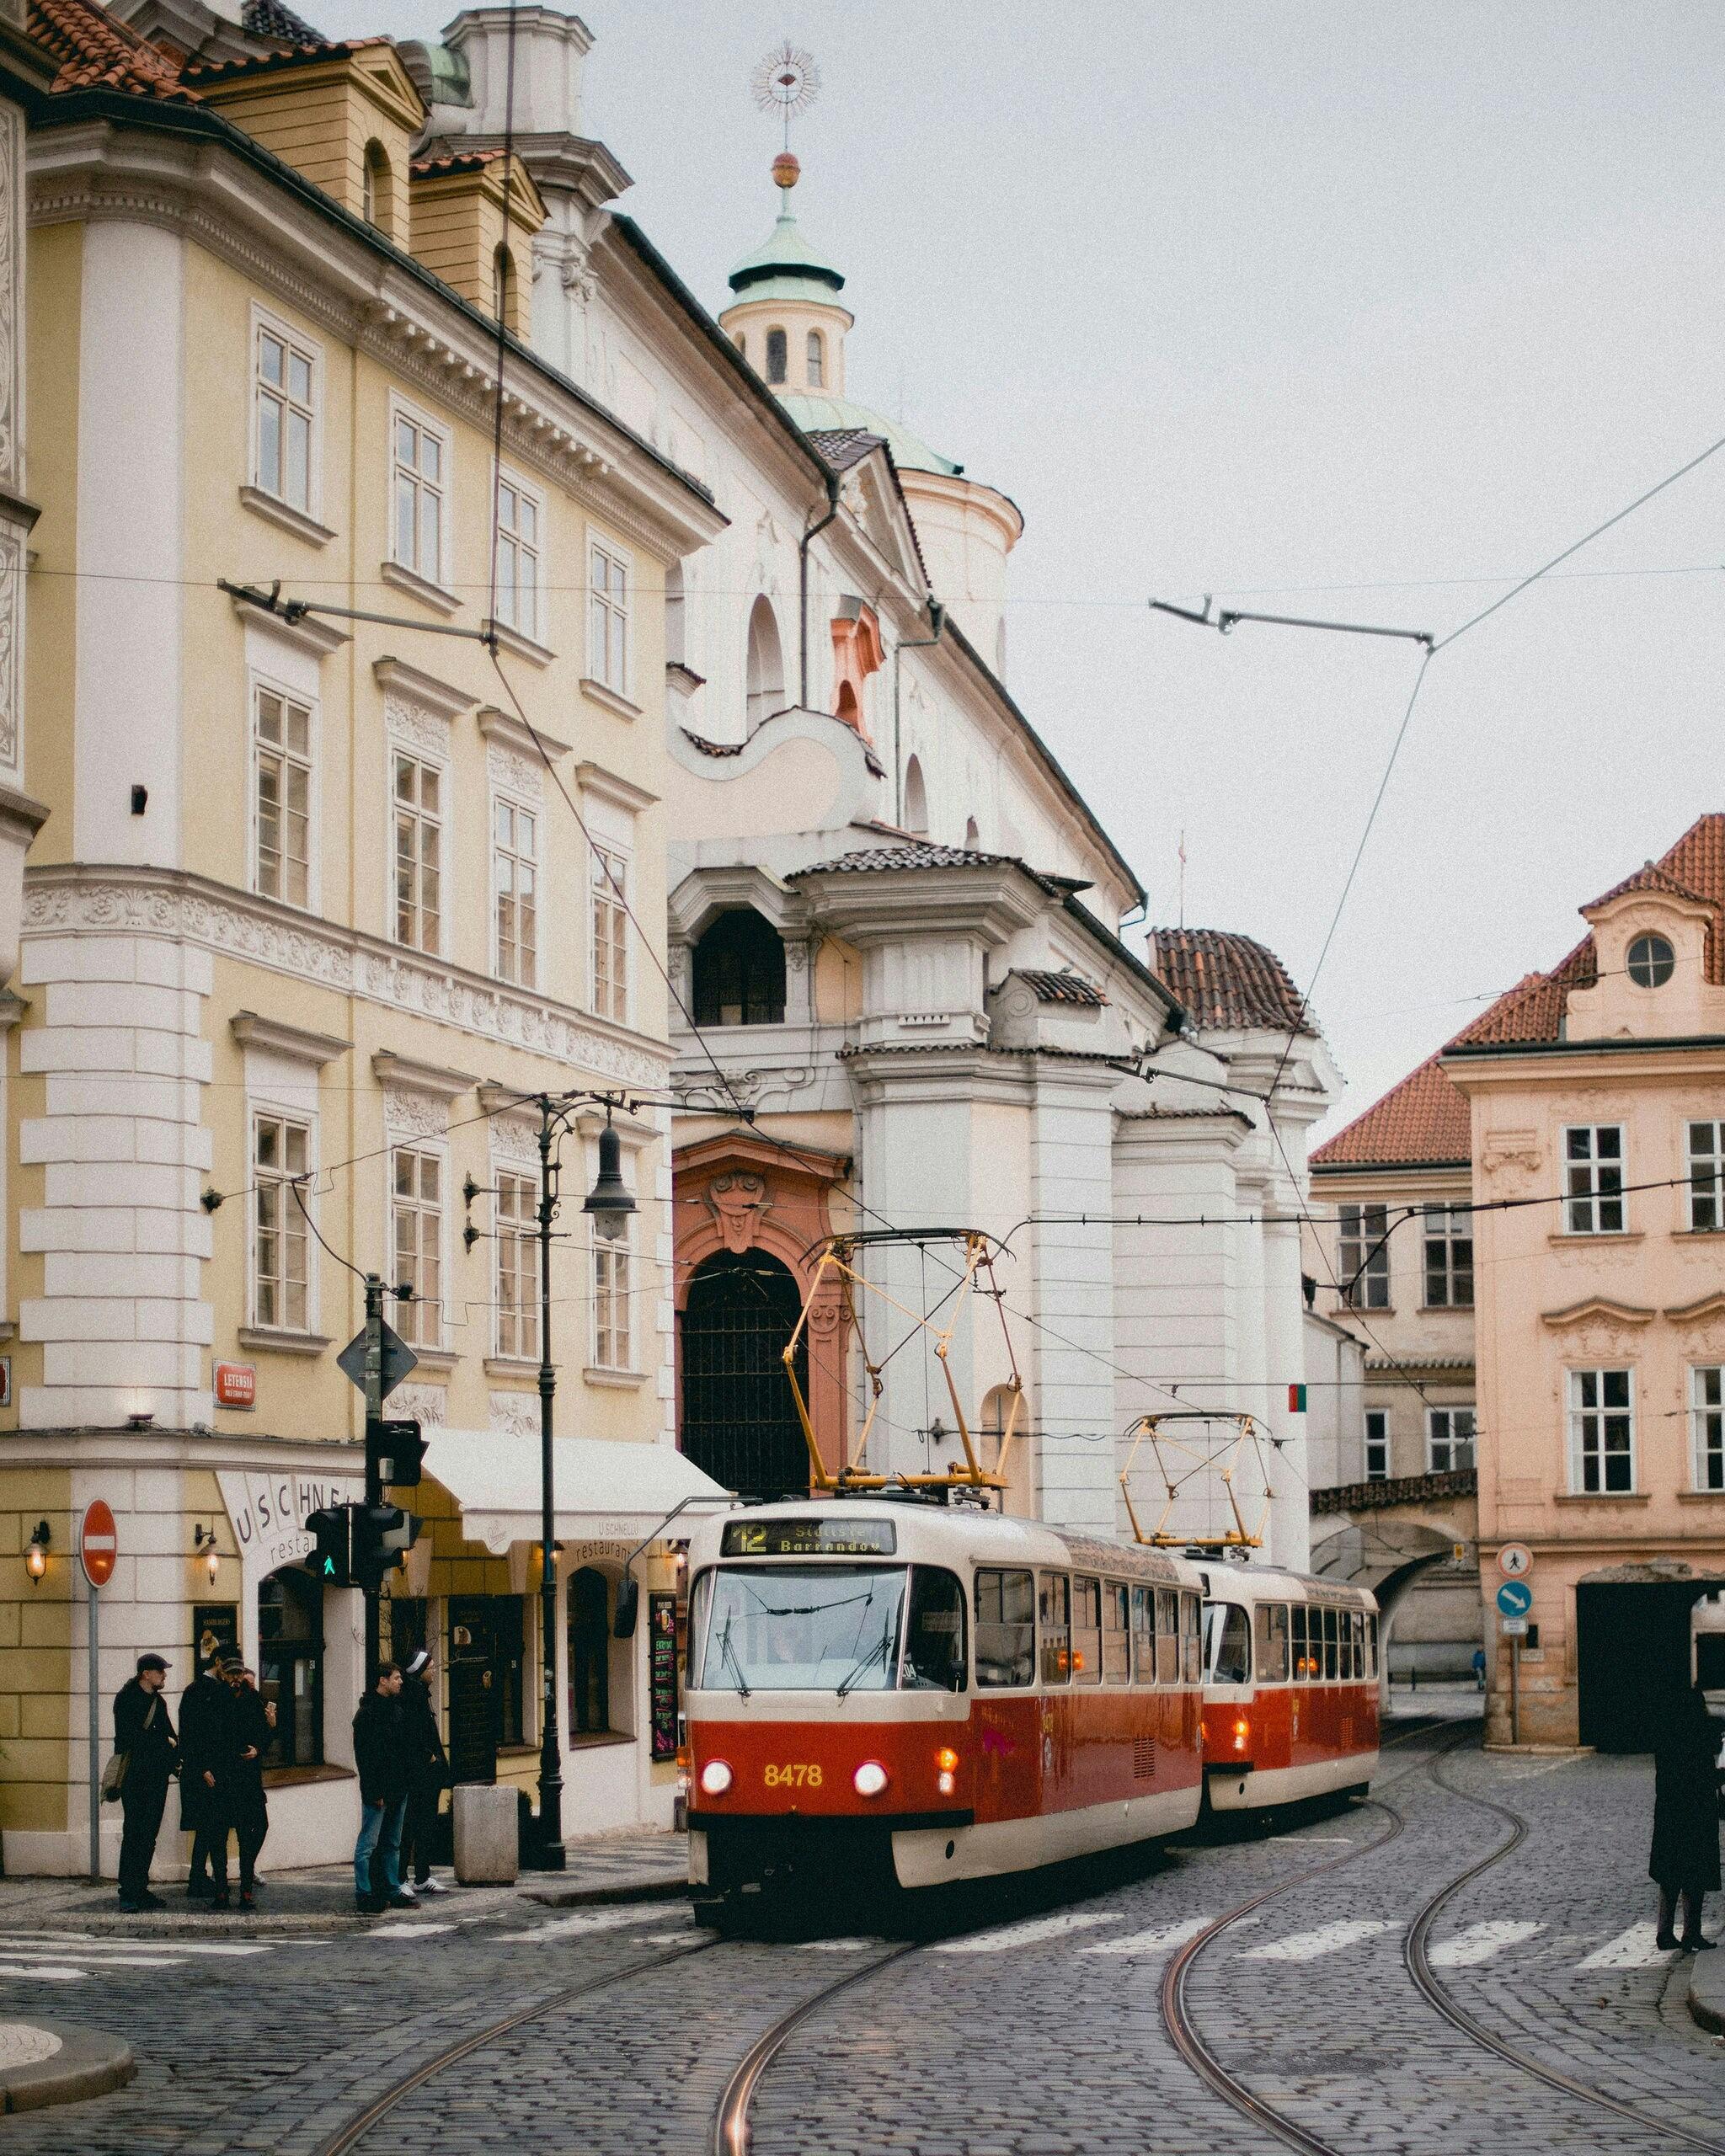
pixel 622 1867
pixel 1707 1991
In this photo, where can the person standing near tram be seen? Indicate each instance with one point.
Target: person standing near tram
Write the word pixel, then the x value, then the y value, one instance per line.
pixel 1684 1863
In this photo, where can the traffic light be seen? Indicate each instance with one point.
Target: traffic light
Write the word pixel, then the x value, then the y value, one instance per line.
pixel 382 1534
pixel 398 1449
pixel 331 1531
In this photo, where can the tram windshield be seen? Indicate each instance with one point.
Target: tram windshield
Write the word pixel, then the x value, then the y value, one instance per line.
pixel 1227 1643
pixel 799 1628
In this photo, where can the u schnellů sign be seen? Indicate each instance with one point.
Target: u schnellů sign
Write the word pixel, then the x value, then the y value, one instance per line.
pixel 268 1513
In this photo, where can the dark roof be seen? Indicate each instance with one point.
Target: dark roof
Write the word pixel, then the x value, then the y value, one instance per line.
pixel 271 63
pixel 913 853
pixel 843 446
pixel 1225 981
pixel 1063 987
pixel 1422 1123
pixel 711 748
pixel 97 51
pixel 269 19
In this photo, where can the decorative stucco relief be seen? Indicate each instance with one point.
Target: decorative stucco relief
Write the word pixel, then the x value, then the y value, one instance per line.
pixel 515 1414
pixel 177 906
pixel 1513 1155
pixel 428 1404
pixel 514 774
pixel 739 1203
pixel 414 1115
pixel 411 723
pixel 515 1142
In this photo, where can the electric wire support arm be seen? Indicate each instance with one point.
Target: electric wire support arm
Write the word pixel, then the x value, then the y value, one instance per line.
pixel 975 1276
pixel 1249 1434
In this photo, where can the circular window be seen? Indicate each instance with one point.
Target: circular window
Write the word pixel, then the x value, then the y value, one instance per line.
pixel 1652 961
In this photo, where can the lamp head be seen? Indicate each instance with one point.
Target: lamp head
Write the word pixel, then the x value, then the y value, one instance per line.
pixel 611 1201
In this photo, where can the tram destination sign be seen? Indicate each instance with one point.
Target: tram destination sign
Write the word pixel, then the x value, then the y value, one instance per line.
pixel 809 1538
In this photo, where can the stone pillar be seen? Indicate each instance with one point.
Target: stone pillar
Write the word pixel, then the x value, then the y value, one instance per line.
pixel 1072 1294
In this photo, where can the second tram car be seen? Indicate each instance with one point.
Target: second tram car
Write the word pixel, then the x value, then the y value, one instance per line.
pixel 1290 1701
pixel 926 1693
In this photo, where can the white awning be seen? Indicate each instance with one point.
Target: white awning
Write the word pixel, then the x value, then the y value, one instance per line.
pixel 606 1489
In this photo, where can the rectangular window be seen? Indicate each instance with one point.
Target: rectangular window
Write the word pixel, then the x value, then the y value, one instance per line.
pixel 1191 1639
pixel 1363 1256
pixel 1116 1640
pixel 1377 1444
pixel 515 875
pixel 1371 1643
pixel 1006 1628
pixel 611 934
pixel 1449 1439
pixel 1143 1636
pixel 281 826
pixel 1168 1636
pixel 1448 1258
pixel 1332 1665
pixel 608 620
pixel 418 809
pixel 518 559
pixel 516 1230
pixel 1706 1175
pixel 1300 1635
pixel 611 1298
pixel 1087 1632
pixel 1601 1431
pixel 282 1154
pixel 416 1211
pixel 1706 1416
pixel 1272 1625
pixel 1054 1624
pixel 1594 1179
pixel 421 462
pixel 283 391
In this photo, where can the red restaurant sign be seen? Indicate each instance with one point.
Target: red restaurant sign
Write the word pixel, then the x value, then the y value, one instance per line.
pixel 236 1384
pixel 97 1544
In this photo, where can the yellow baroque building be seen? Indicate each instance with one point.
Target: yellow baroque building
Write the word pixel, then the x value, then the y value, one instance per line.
pixel 321 901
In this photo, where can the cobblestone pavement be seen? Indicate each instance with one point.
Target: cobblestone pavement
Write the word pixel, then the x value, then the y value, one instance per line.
pixel 1041 2035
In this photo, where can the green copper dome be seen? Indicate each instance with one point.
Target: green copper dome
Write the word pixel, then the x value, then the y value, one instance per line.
pixel 785 254
pixel 818 413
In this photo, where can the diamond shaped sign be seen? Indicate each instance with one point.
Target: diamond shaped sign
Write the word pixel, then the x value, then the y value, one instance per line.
pixel 398 1359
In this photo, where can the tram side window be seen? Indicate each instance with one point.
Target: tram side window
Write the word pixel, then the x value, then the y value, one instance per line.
pixel 1331 1669
pixel 1168 1636
pixel 1055 1623
pixel 1116 1640
pixel 1191 1641
pixel 1372 1644
pixel 1006 1628
pixel 1228 1642
pixel 1143 1636
pixel 1299 1644
pixel 1272 1628
pixel 934 1649
pixel 1087 1632
pixel 1356 1645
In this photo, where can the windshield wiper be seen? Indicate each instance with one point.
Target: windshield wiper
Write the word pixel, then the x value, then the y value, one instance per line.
pixel 878 1652
pixel 727 1652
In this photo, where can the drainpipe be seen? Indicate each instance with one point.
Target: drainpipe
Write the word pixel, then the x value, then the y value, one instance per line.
pixel 803 544
pixel 938 618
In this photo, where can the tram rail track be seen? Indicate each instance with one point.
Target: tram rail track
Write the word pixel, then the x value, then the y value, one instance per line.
pixel 1177 2016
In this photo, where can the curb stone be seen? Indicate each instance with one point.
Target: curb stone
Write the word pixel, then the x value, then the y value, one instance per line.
pixel 1707 1994
pixel 81 2062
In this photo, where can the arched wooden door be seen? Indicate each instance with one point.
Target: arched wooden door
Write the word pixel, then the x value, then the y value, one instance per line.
pixel 739 1422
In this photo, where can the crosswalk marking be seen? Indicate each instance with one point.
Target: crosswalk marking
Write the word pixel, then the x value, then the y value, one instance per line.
pixel 84 1943
pixel 416 1930
pixel 585 1920
pixel 41 1972
pixel 1030 1933
pixel 1327 1939
pixel 1480 1942
pixel 1161 1939
pixel 835 1945
pixel 1633 1949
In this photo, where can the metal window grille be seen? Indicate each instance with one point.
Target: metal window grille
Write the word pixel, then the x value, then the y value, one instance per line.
pixel 739 1423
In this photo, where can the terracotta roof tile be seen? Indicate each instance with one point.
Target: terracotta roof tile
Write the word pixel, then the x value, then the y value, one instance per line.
pixel 454 161
pixel 1226 980
pixel 1649 877
pixel 96 51
pixel 1420 1123
pixel 292 56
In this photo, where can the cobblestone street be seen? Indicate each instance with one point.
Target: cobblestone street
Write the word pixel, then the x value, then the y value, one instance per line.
pixel 1027 2025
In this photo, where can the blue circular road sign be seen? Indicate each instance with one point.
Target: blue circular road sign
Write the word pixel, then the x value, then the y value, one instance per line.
pixel 1515 1598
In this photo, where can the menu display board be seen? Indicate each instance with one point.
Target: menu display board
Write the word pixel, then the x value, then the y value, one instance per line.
pixel 662 1674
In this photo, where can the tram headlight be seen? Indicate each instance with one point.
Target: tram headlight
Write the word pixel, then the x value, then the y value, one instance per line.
pixel 716 1778
pixel 870 1779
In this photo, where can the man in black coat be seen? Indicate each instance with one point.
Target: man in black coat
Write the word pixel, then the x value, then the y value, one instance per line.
pixel 381 1756
pixel 209 1755
pixel 256 1733
pixel 143 1734
pixel 428 1774
pixel 1684 1863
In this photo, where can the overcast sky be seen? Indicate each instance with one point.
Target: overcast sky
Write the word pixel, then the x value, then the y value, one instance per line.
pixel 1362 311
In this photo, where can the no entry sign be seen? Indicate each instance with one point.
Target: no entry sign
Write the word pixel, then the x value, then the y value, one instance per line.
pixel 97 1544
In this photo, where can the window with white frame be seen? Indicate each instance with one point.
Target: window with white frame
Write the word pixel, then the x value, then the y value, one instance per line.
pixel 1592 1159
pixel 285 413
pixel 1706 1423
pixel 1449 1439
pixel 610 933
pixel 611 1286
pixel 1601 1432
pixel 421 466
pixel 608 619
pixel 514 878
pixel 280 1283
pixel 1363 1256
pixel 518 520
pixel 1448 1256
pixel 416 1242
pixel 281 805
pixel 417 807
pixel 516 1231
pixel 1706 1175
pixel 1377 1444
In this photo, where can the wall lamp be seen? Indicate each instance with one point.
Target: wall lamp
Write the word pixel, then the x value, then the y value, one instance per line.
pixel 204 1539
pixel 35 1555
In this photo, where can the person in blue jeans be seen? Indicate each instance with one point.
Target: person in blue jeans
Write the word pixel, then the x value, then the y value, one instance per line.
pixel 380 1754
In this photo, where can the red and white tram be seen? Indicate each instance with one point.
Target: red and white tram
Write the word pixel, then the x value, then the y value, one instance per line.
pixel 1291 1697
pixel 889 1690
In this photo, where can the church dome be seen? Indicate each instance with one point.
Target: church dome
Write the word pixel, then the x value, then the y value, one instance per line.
pixel 783 262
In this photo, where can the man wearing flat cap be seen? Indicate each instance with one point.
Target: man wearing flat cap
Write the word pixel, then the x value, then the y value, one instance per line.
pixel 143 1736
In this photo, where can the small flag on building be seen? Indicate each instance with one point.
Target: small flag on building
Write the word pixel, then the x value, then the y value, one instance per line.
pixel 1296 1400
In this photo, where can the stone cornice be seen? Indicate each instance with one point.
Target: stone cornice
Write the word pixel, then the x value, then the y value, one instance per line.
pixel 110 901
pixel 296 1041
pixel 1597 1307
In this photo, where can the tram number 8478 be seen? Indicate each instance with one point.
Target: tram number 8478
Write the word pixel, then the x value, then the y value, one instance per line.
pixel 800 1775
